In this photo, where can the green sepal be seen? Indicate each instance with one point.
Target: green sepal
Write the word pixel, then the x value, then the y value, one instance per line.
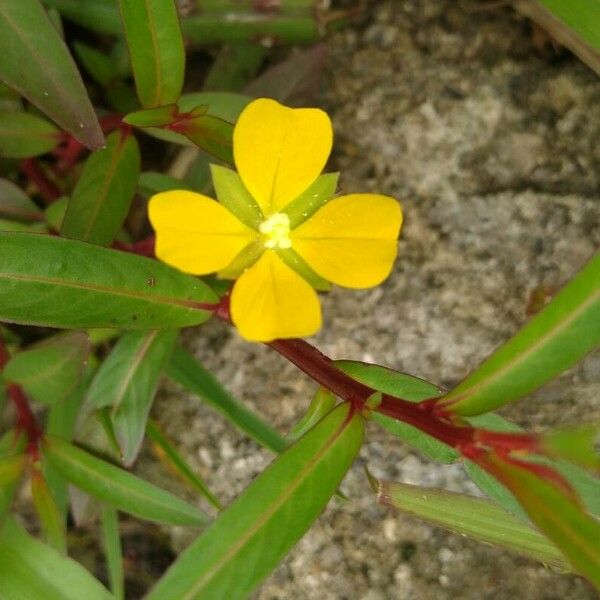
pixel 312 199
pixel 293 260
pixel 244 260
pixel 233 195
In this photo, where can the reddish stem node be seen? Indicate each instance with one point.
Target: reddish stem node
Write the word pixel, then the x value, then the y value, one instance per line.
pixel 35 175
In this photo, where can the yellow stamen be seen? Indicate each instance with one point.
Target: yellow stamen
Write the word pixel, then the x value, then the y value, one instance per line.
pixel 276 231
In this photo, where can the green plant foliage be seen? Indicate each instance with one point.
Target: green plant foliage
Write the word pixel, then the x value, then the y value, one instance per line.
pixel 249 538
pixel 156 48
pixel 103 194
pixel 478 518
pixel 557 337
pixel 574 531
pixel 51 370
pixel 168 453
pixel 30 569
pixel 66 283
pixel 113 551
pixel 188 372
pixel 50 80
pixel 24 134
pixel 407 387
pixel 16 204
pixel 126 383
pixel 118 487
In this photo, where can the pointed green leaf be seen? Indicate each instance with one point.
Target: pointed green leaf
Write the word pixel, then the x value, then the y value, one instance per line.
pixel 212 134
pixel 50 370
pixel 577 444
pixel 167 453
pixel 99 15
pixel 30 570
pixel 189 373
pixel 126 382
pixel 23 135
pixel 153 117
pixel 103 194
pixel 156 48
pixel 553 340
pixel 11 468
pixel 322 403
pixel 118 487
pixel 575 532
pixel 97 64
pixel 480 519
pixel 56 282
pixel 254 533
pixel 233 195
pixel 40 68
pixel 16 204
pixel 53 526
pixel 111 542
pixel 311 200
pixel 404 386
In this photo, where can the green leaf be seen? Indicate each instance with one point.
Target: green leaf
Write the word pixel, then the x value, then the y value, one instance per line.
pixel 54 214
pixel 16 204
pixel 51 520
pixel 166 451
pixel 322 403
pixel 12 444
pixel 254 533
pixel 23 135
pixel 151 182
pixel 55 282
pixel 563 521
pixel 553 340
pixel 52 369
pixel 127 380
pixel 212 134
pixel 97 64
pixel 222 105
pixel 111 543
pixel 11 468
pixel 189 373
pixel 30 570
pixel 156 48
pixel 102 197
pixel 310 201
pixel 233 195
pixel 409 388
pixel 577 444
pixel 480 519
pixel 153 117
pixel 40 68
pixel 99 15
pixel 118 487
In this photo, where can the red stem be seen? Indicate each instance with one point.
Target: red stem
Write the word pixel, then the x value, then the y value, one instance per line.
pixel 31 169
pixel 26 420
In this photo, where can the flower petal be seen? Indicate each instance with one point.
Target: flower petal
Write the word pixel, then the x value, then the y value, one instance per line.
pixel 352 240
pixel 271 301
pixel 195 233
pixel 280 151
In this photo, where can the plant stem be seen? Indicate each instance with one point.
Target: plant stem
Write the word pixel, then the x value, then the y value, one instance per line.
pixel 26 420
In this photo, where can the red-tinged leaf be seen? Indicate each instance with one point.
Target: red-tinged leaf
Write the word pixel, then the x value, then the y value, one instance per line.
pixel 209 133
pixel 36 63
pixel 574 531
pixel 153 117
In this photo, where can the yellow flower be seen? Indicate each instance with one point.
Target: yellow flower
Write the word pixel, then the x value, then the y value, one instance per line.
pixel 279 153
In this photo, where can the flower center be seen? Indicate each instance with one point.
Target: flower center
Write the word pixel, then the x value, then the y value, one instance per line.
pixel 276 231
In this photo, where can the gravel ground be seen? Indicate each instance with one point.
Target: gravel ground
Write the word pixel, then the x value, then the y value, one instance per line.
pixel 492 149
